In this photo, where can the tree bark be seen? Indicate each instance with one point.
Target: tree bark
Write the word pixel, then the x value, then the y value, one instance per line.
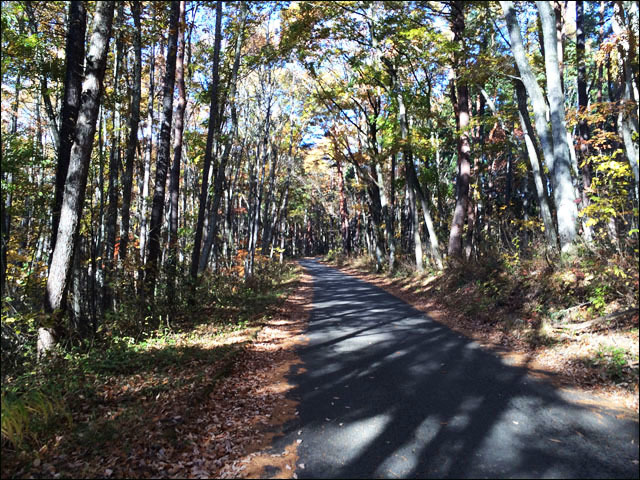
pixel 132 142
pixel 218 190
pixel 213 128
pixel 414 185
pixel 464 148
pixel 144 233
pixel 270 197
pixel 538 174
pixel 344 213
pixel 533 89
pixel 583 126
pixel 75 184
pixel 74 54
pixel 8 192
pixel 114 153
pixel 387 215
pixel 628 113
pixel 564 193
pixel 114 164
pixel 164 151
pixel 415 223
pixel 174 181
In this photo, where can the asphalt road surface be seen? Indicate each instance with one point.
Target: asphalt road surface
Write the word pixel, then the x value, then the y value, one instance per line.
pixel 387 392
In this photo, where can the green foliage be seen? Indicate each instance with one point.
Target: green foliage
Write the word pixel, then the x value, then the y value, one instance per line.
pixel 334 255
pixel 29 418
pixel 613 360
pixel 598 298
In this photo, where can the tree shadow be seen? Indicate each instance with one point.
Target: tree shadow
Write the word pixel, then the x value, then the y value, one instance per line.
pixel 388 392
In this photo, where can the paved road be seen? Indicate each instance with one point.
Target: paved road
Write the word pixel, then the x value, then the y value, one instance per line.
pixel 388 392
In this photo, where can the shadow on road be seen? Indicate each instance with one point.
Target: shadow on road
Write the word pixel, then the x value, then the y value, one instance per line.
pixel 388 392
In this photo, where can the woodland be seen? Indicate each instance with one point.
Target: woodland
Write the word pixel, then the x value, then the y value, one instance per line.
pixel 165 163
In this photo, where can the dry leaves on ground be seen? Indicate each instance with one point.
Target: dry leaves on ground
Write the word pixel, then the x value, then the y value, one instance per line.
pixel 204 421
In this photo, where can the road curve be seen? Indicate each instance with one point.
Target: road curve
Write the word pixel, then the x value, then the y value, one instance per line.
pixel 387 392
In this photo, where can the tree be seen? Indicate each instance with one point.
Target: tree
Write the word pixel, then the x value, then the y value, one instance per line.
pixel 219 183
pixel 213 126
pixel 76 181
pixel 164 151
pixel 628 68
pixel 174 181
pixel 564 193
pixel 464 148
pixel 74 55
pixel 583 102
pixel 533 89
pixel 539 178
pixel 132 142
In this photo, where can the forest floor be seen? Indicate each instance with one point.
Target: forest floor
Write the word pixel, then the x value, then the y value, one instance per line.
pixel 209 401
pixel 190 405
pixel 511 317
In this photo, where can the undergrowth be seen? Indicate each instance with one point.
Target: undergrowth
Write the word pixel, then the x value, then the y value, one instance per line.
pixel 71 392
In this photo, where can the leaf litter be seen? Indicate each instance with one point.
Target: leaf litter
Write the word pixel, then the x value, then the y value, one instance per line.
pixel 213 416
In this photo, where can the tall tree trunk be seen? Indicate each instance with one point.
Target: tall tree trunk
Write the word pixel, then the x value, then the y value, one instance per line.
pixel 164 151
pixel 144 233
pixel 583 127
pixel 132 142
pixel 218 189
pixel 415 223
pixel 114 153
pixel 559 11
pixel 344 213
pixel 373 188
pixel 259 189
pixel 74 55
pixel 174 181
pixel 213 128
pixel 533 89
pixel 7 177
pixel 99 235
pixel 114 162
pixel 75 184
pixel 600 78
pixel 538 175
pixel 628 66
pixel 414 184
pixel 464 149
pixel 270 198
pixel 564 193
pixel 387 215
